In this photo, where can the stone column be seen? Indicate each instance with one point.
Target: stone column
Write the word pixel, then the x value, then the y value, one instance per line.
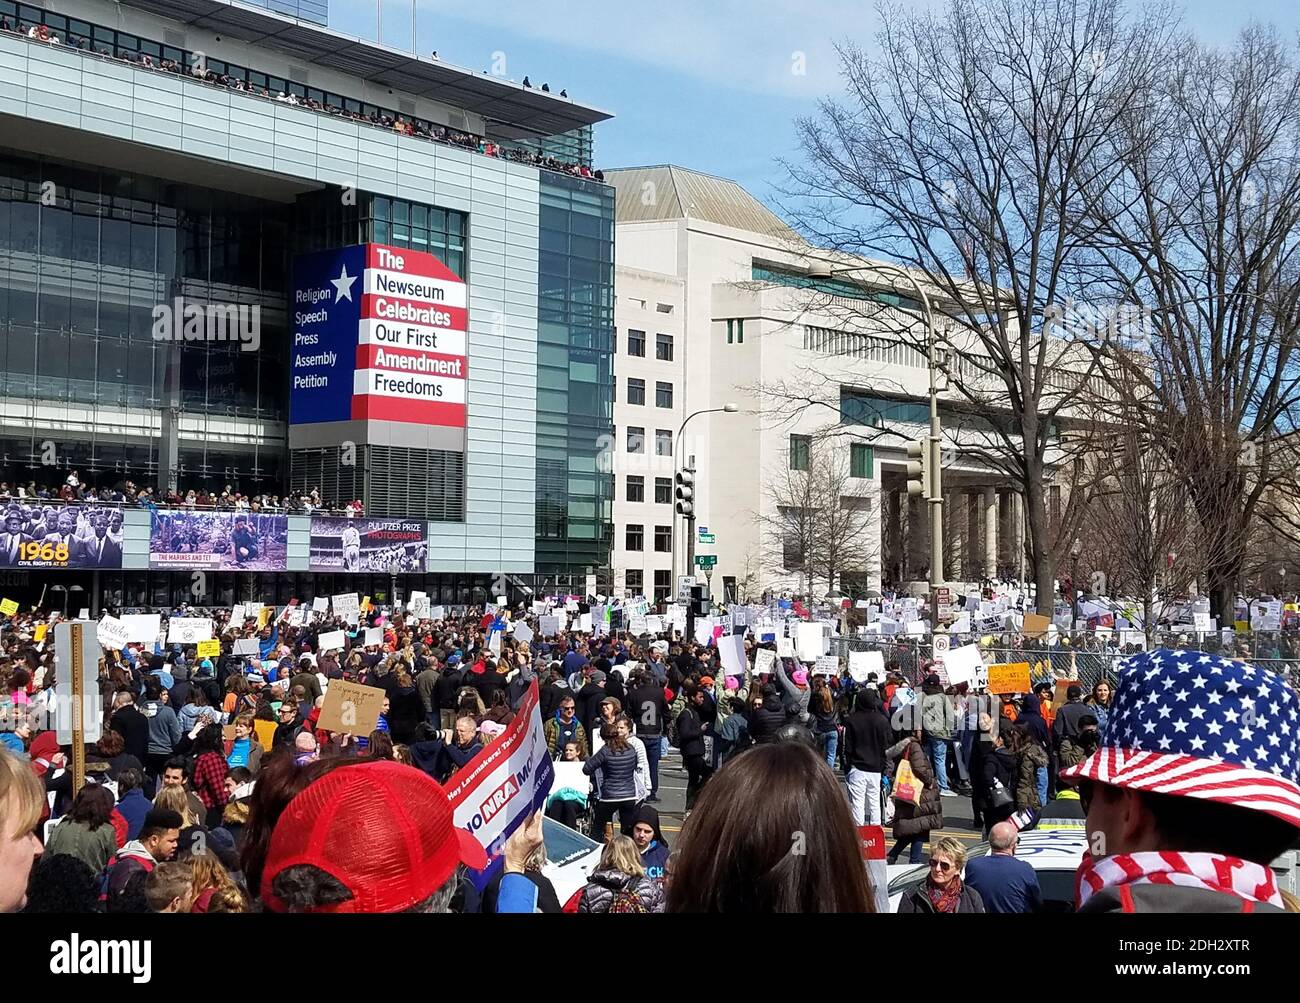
pixel 973 553
pixel 990 533
pixel 918 537
pixel 894 530
pixel 954 530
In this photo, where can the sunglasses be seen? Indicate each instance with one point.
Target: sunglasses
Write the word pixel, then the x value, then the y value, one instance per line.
pixel 1086 789
pixel 943 865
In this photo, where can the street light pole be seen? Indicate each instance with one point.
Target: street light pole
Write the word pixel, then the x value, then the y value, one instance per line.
pixel 690 519
pixel 1075 549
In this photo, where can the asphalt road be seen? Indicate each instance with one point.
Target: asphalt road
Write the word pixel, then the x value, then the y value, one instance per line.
pixel 672 791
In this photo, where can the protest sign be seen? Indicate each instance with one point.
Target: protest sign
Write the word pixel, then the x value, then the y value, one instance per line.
pixel 333 641
pixel 638 625
pixel 826 665
pixel 374 635
pixel 189 629
pixel 703 629
pixel 1036 625
pixel 113 633
pixel 1062 689
pixel 237 614
pixel 8 607
pixel 764 660
pixel 247 646
pixel 785 647
pixel 809 642
pixel 39 634
pixel 863 663
pixel 1009 677
pixel 500 788
pixel 654 625
pixel 320 605
pixel 438 613
pixel 351 708
pixel 732 649
pixel 871 839
pixel 209 649
pixel 523 633
pixel 295 615
pixel 346 604
pixel 265 733
pixel 548 625
pixel 961 664
pixel 65 709
pixel 584 623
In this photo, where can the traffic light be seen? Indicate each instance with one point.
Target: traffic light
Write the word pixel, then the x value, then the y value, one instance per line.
pixel 918 468
pixel 686 492
pixel 700 600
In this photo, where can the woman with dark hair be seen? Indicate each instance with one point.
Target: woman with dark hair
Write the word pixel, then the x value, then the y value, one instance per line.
pixel 86 832
pixel 738 852
pixel 111 750
pixel 998 764
pixel 210 768
pixel 615 769
pixel 823 719
pixel 381 746
pixel 1030 759
pixel 405 710
pixel 499 711
pixel 1100 703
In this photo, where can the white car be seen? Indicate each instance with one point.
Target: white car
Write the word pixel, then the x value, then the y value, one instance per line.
pixel 570 858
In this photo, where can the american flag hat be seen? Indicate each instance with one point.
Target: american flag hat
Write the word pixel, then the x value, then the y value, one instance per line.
pixel 1194 725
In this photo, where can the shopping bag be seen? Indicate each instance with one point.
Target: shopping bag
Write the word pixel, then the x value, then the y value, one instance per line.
pixel 907 785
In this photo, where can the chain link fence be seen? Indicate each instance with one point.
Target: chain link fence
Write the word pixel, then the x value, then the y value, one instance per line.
pixel 1088 659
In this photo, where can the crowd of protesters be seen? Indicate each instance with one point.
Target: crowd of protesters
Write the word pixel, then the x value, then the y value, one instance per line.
pixel 213 786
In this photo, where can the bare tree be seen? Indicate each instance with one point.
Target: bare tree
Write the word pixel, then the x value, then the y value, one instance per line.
pixel 969 150
pixel 815 521
pixel 1202 224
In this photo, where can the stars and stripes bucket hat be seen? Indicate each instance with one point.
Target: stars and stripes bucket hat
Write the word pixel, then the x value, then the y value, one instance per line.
pixel 1188 724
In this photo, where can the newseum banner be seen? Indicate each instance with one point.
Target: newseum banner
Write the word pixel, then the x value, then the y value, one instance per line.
pixel 219 541
pixel 367 545
pixel 61 536
pixel 379 333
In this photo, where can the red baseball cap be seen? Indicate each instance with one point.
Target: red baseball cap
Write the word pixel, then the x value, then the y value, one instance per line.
pixel 383 830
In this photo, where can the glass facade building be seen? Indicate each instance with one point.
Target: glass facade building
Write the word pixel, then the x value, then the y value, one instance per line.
pixel 202 188
pixel 575 382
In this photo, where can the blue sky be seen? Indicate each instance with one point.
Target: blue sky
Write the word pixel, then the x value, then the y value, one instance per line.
pixel 712 85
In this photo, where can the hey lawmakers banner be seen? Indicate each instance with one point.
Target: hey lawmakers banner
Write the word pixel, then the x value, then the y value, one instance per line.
pixel 379 333
pixel 495 792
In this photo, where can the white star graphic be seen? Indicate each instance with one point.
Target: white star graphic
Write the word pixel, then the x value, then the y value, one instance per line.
pixel 1198 744
pixel 1165 742
pixel 1214 727
pixel 1248 763
pixel 1232 685
pixel 343 285
pixel 1165 712
pixel 1200 681
pixel 1231 716
pixel 1274 740
pixel 1180 726
pixel 1230 747
pixel 1248 733
pixel 1182 694
pixel 1168 683
pixel 1215 698
pixel 1197 713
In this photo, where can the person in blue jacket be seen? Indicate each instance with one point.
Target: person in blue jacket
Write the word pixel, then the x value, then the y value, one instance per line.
pixel 650 842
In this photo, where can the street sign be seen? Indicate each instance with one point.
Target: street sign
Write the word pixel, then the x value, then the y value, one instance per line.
pixel 704 529
pixel 706 560
pixel 708 538
pixel 940 647
pixel 684 583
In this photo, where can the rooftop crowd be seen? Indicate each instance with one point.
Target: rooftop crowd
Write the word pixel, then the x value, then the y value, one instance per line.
pixel 405 125
pixel 74 490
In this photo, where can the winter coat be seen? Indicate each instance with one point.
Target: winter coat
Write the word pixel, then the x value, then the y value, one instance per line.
pixel 690 732
pixel 1029 761
pixel 615 773
pixel 936 716
pixel 917 820
pixel 1031 717
pixel 598 894
pixel 867 735
pixel 918 900
pixel 555 740
pixel 765 722
pixel 75 839
pixel 1153 897
pixel 796 697
pixel 648 709
pixel 997 766
pixel 164 728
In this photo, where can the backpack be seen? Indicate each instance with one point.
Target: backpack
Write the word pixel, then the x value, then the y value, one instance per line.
pixel 145 866
pixel 627 901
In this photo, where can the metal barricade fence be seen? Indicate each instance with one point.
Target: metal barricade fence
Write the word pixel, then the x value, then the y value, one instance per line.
pixel 914 658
